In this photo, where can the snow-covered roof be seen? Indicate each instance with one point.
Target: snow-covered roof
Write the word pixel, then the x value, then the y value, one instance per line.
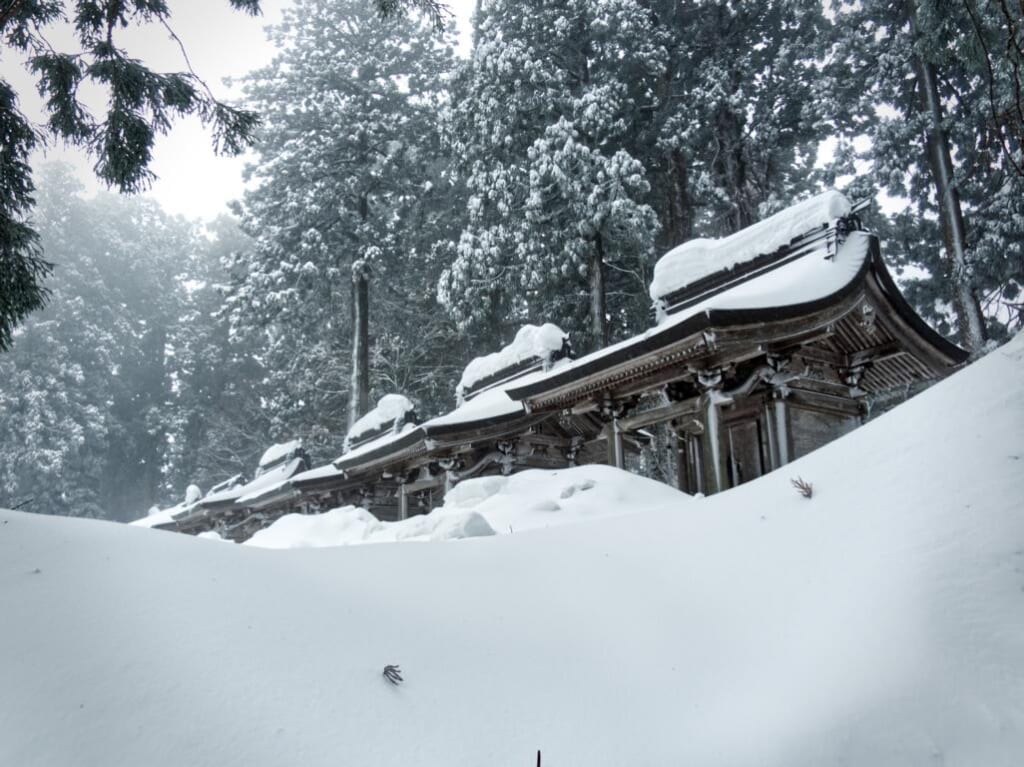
pixel 161 517
pixel 375 444
pixel 166 516
pixel 813 275
pixel 269 481
pixel 696 259
pixel 275 453
pixel 230 490
pixel 492 403
pixel 391 410
pixel 320 472
pixel 541 342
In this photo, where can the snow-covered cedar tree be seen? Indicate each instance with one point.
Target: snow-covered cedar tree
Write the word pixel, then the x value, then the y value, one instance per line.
pixel 218 424
pixel 85 399
pixel 918 87
pixel 541 122
pixel 141 104
pixel 590 132
pixel 349 167
pixel 739 115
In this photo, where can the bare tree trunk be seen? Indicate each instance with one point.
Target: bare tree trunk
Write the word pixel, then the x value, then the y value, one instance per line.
pixel 970 321
pixel 360 388
pixel 598 307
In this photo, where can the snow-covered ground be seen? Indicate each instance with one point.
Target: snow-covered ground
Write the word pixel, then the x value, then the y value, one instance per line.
pixel 879 623
pixel 481 507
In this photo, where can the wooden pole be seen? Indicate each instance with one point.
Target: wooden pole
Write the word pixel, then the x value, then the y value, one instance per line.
pixel 598 304
pixel 360 386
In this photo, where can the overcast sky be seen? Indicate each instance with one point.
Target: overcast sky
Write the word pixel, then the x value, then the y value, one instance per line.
pixel 221 42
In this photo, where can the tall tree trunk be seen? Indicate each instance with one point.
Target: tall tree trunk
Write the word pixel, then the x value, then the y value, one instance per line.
pixel 360 387
pixel 476 22
pixel 970 321
pixel 677 226
pixel 598 305
pixel 730 167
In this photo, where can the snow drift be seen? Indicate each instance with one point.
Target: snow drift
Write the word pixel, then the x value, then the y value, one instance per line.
pixel 479 507
pixel 879 623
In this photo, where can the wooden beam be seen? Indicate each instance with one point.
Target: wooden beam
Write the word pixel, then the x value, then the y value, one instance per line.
pixel 874 354
pixel 660 414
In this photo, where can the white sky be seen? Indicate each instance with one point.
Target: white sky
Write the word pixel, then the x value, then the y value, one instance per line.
pixel 221 42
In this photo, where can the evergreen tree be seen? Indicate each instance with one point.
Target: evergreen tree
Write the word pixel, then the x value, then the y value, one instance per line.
pixel 349 171
pixel 740 113
pixel 141 104
pixel 218 426
pixel 86 383
pixel 920 93
pixel 542 120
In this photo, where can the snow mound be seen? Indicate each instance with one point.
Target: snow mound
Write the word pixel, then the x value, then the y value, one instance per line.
pixel 213 535
pixel 391 408
pixel 481 507
pixel 693 260
pixel 878 623
pixel 541 498
pixel 351 525
pixel 532 341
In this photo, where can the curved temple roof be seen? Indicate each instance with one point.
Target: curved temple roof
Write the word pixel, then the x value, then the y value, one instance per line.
pixel 806 282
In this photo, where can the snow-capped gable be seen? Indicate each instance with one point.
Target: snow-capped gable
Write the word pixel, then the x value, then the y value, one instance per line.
pixel 694 260
pixel 533 347
pixel 276 453
pixel 393 411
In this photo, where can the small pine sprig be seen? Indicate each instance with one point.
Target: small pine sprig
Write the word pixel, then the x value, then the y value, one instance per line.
pixel 806 489
pixel 393 674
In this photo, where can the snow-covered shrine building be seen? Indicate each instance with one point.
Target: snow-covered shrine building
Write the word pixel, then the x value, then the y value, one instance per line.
pixel 395 466
pixel 766 345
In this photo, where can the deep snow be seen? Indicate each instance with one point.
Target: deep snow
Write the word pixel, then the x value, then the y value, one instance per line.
pixel 879 623
pixel 480 507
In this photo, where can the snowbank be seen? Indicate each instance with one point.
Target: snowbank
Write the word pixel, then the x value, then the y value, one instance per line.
pixel 543 498
pixel 878 623
pixel 693 260
pixel 481 507
pixel 352 525
pixel 543 342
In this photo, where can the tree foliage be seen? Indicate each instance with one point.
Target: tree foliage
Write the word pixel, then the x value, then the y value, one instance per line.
pixel 882 98
pixel 349 171
pixel 140 104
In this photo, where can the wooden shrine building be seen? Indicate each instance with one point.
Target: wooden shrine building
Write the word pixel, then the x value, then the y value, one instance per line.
pixel 766 345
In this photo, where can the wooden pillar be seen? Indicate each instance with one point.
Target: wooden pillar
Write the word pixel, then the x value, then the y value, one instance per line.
pixel 403 502
pixel 690 474
pixel 360 386
pixel 714 475
pixel 780 428
pixel 710 383
pixel 616 457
